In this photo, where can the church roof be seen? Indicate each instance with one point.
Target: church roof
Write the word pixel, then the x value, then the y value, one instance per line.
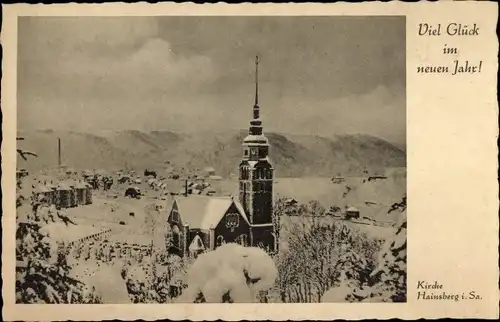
pixel 63 186
pixel 205 212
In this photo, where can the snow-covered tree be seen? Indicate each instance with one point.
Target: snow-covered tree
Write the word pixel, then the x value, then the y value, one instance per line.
pixel 386 281
pixel 319 256
pixel 231 273
pixel 42 272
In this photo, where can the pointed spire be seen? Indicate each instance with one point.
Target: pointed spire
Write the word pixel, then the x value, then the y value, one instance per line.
pixel 256 108
pixel 257 80
pixel 256 124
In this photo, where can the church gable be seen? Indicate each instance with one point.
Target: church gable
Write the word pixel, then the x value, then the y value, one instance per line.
pixel 233 218
pixel 233 227
pixel 174 216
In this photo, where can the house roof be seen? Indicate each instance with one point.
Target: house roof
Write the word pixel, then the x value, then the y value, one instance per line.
pixel 205 212
pixel 80 185
pixel 63 186
pixel 353 209
pixel 40 188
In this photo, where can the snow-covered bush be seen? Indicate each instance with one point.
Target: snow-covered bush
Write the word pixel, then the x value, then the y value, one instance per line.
pixel 231 273
pixel 43 275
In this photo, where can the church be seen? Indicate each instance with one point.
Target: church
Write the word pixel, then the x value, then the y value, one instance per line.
pixel 203 223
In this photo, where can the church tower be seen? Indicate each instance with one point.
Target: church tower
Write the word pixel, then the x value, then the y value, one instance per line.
pixel 256 178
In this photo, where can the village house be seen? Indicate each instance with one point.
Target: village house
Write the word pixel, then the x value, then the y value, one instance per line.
pixel 376 178
pixel 63 195
pixel 81 190
pixel 209 171
pixel 351 213
pixel 43 194
pixel 338 180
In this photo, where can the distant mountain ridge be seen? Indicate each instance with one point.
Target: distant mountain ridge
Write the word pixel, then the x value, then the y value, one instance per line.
pixel 292 155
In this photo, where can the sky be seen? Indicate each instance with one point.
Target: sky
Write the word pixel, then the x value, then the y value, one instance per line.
pixel 317 75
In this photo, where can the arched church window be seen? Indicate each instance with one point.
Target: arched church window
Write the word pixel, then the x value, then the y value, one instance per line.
pixel 175 236
pixel 242 240
pixel 220 240
pixel 175 216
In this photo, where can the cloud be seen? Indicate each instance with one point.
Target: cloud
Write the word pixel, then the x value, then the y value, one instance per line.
pixel 153 66
pixel 380 112
pixel 103 76
pixel 66 36
pixel 185 73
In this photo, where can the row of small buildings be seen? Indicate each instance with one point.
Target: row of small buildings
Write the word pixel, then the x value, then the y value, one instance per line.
pixel 66 194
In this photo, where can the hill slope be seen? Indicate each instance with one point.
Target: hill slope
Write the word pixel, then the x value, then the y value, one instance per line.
pixel 292 155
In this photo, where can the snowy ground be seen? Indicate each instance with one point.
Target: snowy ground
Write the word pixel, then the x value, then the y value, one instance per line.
pixel 133 221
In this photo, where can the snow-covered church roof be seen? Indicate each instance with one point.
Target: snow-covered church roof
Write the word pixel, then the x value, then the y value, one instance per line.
pixel 205 212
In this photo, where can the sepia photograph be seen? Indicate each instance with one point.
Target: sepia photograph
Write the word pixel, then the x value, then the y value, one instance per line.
pixel 211 159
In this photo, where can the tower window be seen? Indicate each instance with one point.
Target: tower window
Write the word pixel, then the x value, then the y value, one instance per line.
pixel 246 152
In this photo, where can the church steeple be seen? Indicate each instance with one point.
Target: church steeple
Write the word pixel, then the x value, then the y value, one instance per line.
pixel 256 178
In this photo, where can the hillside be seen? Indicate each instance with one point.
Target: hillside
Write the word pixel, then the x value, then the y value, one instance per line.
pixel 293 155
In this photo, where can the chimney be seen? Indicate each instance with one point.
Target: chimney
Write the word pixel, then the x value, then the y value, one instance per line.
pixel 186 188
pixel 59 151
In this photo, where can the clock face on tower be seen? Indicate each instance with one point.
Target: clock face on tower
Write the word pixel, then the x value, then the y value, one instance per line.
pixel 254 152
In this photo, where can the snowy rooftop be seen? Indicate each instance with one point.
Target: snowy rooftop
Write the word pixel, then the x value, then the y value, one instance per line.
pixel 205 212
